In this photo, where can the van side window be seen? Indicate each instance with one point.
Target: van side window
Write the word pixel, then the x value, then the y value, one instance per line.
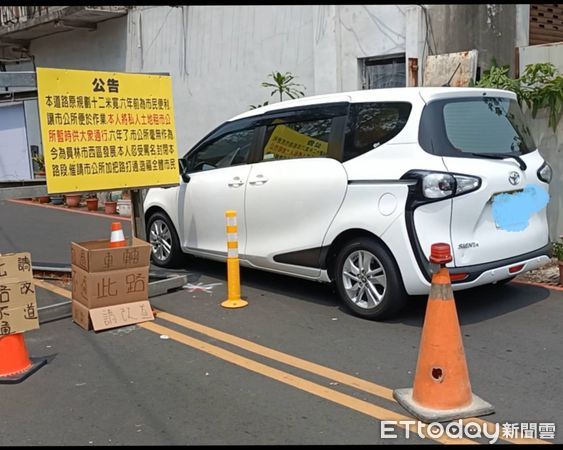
pixel 372 124
pixel 299 139
pixel 228 150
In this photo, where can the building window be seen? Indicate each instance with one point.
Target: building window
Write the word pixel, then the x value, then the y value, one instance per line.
pixel 385 72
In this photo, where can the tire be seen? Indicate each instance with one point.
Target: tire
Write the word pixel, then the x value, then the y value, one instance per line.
pixel 389 296
pixel 162 236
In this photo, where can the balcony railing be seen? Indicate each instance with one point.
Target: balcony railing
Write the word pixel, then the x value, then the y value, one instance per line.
pixel 12 15
pixel 21 24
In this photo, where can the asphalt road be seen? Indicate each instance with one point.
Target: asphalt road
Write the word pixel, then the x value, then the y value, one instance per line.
pixel 204 385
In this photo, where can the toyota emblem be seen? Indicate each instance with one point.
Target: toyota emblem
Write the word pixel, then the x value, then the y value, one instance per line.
pixel 514 178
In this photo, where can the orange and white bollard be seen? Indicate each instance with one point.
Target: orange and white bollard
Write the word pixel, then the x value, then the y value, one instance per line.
pixel 233 272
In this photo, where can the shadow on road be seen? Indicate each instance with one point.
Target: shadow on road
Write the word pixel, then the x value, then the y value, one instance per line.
pixel 300 289
pixel 473 305
pixel 480 303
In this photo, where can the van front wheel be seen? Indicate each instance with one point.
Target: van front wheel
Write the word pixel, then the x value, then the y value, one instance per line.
pixel 166 251
pixel 368 281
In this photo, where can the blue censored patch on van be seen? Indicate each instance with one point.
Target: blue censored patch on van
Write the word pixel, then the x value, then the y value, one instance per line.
pixel 512 212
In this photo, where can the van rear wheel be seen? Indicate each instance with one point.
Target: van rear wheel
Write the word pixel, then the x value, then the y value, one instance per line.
pixel 368 280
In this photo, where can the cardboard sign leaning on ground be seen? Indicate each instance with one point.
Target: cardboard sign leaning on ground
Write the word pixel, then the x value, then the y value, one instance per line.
pixel 15 266
pixel 106 130
pixel 18 304
pixel 111 316
pixel 19 319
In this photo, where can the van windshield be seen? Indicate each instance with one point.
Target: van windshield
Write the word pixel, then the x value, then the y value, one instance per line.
pixel 478 125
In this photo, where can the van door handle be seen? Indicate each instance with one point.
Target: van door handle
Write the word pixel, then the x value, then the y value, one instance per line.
pixel 236 182
pixel 260 180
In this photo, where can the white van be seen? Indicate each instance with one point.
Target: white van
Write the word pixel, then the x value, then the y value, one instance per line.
pixel 354 188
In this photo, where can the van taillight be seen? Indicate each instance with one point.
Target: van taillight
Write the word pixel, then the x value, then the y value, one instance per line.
pixel 458 276
pixel 515 269
pixel 545 173
pixel 440 185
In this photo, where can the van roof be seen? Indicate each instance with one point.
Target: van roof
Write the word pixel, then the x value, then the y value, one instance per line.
pixel 389 94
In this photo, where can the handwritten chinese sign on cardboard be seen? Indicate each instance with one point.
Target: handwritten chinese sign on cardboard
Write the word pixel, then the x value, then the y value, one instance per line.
pixel 18 305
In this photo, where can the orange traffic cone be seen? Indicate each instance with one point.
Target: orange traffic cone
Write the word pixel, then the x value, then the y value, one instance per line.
pixel 117 238
pixel 441 390
pixel 15 364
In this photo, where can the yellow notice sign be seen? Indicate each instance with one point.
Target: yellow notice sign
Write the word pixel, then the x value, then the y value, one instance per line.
pixel 287 143
pixel 106 130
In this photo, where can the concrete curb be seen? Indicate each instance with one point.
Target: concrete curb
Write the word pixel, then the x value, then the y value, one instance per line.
pixel 72 210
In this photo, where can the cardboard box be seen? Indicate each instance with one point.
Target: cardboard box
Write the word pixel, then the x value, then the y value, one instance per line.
pixel 81 315
pixel 96 256
pixel 111 316
pixel 16 266
pixel 98 289
pixel 18 319
pixel 16 293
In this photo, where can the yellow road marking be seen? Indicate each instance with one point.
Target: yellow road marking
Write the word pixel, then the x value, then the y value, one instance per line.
pixel 348 401
pixel 308 366
pixel 343 378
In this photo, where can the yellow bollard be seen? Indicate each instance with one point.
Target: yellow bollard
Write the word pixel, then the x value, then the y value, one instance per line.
pixel 233 273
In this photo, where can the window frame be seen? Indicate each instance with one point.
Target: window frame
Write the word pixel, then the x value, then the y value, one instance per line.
pixel 222 131
pixel 352 113
pixel 382 60
pixel 432 134
pixel 337 111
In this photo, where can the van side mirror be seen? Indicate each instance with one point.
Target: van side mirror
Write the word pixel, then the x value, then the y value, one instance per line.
pixel 183 167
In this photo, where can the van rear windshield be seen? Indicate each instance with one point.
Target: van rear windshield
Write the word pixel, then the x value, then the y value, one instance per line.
pixel 453 127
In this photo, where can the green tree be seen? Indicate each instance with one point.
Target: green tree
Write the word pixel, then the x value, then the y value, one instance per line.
pixel 283 84
pixel 540 86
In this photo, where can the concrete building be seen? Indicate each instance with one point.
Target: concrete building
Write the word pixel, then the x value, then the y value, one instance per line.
pixel 218 56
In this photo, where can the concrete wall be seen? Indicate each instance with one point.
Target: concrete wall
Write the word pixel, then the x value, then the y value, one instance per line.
pixel 102 49
pixel 550 142
pixel 366 31
pixel 218 56
pixel 489 28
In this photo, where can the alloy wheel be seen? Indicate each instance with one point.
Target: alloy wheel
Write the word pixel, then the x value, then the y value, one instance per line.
pixel 160 240
pixel 364 279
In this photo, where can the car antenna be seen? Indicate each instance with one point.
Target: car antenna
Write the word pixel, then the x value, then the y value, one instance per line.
pixel 452 77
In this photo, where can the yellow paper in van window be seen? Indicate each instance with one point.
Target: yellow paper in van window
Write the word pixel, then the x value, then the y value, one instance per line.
pixel 287 143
